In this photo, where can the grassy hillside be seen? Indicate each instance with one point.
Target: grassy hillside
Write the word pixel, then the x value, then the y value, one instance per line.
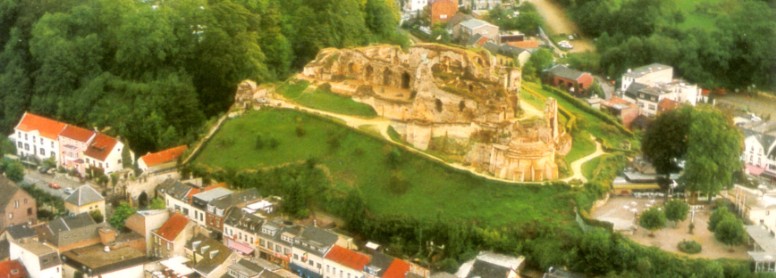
pixel 413 186
pixel 298 92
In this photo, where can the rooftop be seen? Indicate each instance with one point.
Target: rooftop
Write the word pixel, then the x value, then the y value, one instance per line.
pixel 98 261
pixel 20 231
pixel 170 229
pixel 349 258
pixel 12 269
pixel 67 230
pixel 76 133
pixel 204 198
pixel 644 70
pixel 84 195
pixel 164 156
pixel 8 188
pixel 565 72
pixel 213 253
pixel 101 147
pixel 475 23
pixel 46 127
pixel 47 255
pixel 397 269
pixel 763 238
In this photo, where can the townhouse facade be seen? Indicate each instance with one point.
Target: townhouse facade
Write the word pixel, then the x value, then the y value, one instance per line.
pixel 71 147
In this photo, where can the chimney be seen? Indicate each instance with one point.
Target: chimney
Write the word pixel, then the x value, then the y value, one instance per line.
pixel 107 236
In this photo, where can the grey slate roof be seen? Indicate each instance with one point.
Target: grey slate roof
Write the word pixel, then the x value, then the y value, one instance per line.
pixel 565 72
pixel 633 90
pixel 70 229
pixel 206 246
pixel 458 18
pixel 8 188
pixel 84 195
pixel 235 198
pixel 238 218
pixel 20 231
pixel 379 263
pixel 485 269
pixel 175 189
pixel 315 240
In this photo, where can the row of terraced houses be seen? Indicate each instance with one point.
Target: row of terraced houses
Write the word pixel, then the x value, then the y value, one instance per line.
pixel 245 223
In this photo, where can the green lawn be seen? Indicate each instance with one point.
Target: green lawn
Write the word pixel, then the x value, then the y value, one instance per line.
pixel 589 167
pixel 358 160
pixel 581 146
pixel 703 14
pixel 323 100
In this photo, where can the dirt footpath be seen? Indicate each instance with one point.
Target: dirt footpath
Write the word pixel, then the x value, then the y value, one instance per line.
pixel 559 23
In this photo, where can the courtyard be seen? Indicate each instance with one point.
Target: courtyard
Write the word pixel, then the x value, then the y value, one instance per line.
pixel 622 211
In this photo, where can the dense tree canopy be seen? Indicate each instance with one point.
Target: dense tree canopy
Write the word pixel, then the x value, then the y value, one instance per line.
pixel 736 52
pixel 652 219
pixel 153 72
pixel 703 136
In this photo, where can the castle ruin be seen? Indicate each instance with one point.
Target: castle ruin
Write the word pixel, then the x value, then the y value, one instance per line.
pixel 432 91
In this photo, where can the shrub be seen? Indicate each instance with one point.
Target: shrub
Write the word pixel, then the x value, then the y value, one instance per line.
pixel 689 247
pixel 300 132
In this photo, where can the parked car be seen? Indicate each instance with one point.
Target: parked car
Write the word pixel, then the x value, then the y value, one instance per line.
pixel 69 191
pixel 54 185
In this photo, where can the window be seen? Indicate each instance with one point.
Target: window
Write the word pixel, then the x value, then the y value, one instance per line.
pixel 52 154
pixel 311 263
pixel 106 165
pixel 42 151
pixel 319 265
pixel 41 141
pixel 261 242
pixel 16 204
pixel 19 144
pixel 52 144
pixel 29 211
pixel 25 200
pixel 10 216
pixel 168 246
pixel 296 256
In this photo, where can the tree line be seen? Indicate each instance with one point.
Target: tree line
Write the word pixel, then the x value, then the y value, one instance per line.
pixel 737 52
pixel 152 72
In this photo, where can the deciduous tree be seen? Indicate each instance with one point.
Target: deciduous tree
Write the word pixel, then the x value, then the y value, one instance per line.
pixel 652 219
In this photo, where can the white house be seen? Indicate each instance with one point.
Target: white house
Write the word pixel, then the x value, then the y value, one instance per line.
pixel 104 152
pixel 759 148
pixel 489 264
pixel 343 262
pixel 647 86
pixel 37 136
pixel 40 260
pixel 309 250
pixel 415 5
pixel 161 161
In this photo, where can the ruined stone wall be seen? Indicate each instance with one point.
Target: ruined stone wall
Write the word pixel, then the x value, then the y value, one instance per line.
pixel 430 91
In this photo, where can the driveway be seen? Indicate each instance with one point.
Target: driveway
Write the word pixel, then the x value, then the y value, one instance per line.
pixel 42 180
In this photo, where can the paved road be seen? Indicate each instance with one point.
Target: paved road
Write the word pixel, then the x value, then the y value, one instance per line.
pixel 559 23
pixel 608 88
pixel 42 180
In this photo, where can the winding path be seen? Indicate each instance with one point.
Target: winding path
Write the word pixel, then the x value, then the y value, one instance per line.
pixel 382 126
pixel 576 166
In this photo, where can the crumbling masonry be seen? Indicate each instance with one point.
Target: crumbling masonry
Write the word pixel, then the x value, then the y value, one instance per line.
pixel 432 91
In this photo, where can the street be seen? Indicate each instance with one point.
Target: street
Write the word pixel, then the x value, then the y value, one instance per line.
pixel 42 181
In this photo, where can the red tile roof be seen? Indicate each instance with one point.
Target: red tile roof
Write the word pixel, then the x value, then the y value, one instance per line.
pixel 397 269
pixel 101 147
pixel 165 156
pixel 47 127
pixel 77 133
pixel 12 269
pixel 666 104
pixel 348 258
pixel 173 227
pixel 529 44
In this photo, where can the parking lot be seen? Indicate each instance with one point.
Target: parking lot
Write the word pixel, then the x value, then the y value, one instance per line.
pixel 42 181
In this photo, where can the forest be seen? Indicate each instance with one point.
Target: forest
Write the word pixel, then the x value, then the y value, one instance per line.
pixel 715 43
pixel 153 72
